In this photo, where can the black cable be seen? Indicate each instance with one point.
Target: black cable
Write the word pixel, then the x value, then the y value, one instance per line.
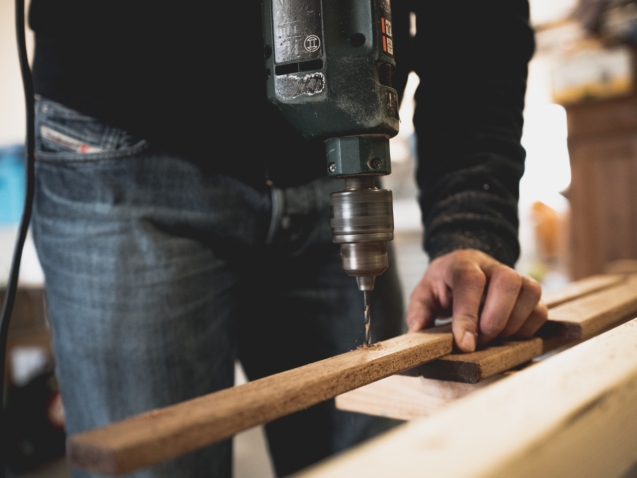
pixel 12 284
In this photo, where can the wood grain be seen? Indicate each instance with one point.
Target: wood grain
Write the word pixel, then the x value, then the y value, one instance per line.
pixel 570 415
pixel 406 398
pixel 580 288
pixel 481 364
pixel 578 319
pixel 587 316
pixel 166 433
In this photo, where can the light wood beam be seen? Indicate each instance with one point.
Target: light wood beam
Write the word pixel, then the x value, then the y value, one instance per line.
pixel 589 315
pixel 407 398
pixel 570 415
pixel 580 288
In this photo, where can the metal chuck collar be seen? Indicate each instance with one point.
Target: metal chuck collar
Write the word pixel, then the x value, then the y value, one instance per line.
pixel 362 223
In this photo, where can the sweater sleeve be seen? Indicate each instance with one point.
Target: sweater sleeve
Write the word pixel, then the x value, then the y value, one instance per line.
pixel 471 57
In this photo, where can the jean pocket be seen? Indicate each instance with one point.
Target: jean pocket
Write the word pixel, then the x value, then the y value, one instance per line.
pixel 65 135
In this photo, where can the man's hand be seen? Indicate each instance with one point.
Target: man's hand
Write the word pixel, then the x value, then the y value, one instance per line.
pixel 485 298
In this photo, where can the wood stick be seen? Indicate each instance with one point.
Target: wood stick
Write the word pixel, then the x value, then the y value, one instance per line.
pixel 572 321
pixel 481 364
pixel 570 415
pixel 580 288
pixel 589 315
pixel 169 432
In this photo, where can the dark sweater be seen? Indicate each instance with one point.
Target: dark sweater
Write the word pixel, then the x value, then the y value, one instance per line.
pixel 189 77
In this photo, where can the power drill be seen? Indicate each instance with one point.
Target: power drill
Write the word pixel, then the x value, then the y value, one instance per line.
pixel 329 67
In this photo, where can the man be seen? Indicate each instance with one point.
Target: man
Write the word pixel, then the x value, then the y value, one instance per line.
pixel 182 223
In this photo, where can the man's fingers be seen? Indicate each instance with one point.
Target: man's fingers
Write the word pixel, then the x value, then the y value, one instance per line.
pixel 457 281
pixel 528 298
pixel 423 307
pixel 467 284
pixel 505 285
pixel 533 323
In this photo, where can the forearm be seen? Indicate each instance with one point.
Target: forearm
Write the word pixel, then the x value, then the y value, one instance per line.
pixel 471 58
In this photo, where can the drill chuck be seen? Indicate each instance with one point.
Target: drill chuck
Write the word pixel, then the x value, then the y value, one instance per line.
pixel 362 223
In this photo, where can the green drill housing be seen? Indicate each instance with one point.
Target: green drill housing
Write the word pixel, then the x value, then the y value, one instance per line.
pixel 329 67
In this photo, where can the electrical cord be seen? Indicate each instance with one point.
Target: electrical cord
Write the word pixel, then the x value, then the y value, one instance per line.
pixel 12 284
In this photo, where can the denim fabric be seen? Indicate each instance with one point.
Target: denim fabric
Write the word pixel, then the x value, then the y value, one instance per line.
pixel 159 277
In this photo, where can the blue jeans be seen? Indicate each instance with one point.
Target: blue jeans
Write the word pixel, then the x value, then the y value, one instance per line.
pixel 159 276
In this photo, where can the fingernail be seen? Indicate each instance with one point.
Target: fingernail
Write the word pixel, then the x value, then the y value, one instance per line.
pixel 469 341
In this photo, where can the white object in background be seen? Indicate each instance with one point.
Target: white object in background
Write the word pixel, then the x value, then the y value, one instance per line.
pixel 399 146
pixel 592 73
pixel 407 216
pixel 550 11
pixel 547 167
pixel 27 363
pixel 30 270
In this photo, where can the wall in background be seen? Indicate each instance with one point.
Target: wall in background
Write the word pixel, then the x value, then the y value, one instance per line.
pixel 12 131
pixel 11 96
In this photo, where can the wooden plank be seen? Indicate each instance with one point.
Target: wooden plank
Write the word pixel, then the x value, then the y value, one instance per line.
pixel 166 433
pixel 590 315
pixel 481 364
pixel 576 320
pixel 407 398
pixel 570 415
pixel 580 288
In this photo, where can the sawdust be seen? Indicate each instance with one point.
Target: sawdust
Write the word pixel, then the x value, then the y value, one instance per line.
pixel 370 347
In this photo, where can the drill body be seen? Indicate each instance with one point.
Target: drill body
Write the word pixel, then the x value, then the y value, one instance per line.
pixel 329 65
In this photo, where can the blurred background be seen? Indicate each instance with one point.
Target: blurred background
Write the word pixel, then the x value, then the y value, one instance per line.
pixel 578 201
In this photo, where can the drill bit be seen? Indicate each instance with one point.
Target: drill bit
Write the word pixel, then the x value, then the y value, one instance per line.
pixel 368 332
